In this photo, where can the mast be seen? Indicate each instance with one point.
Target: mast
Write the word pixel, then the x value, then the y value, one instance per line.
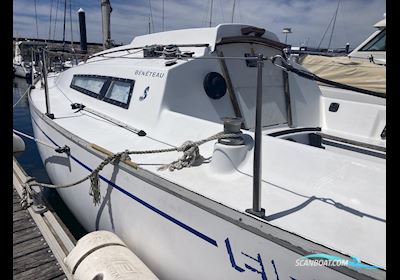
pixel 105 16
pixel 70 19
pixel 51 11
pixel 65 16
pixel 162 15
pixel 151 22
pixel 211 12
pixel 37 28
pixel 233 10
pixel 149 26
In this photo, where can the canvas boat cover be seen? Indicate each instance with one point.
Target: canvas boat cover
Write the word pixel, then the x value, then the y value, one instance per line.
pixel 342 69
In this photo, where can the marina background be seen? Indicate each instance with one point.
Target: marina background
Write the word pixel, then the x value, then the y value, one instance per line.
pixel 308 18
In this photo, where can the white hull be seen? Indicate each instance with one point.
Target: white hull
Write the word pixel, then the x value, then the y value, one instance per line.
pixel 177 233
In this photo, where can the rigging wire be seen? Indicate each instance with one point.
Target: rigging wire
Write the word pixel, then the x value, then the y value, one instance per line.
pixel 37 27
pixel 233 10
pixel 151 17
pixel 55 22
pixel 22 96
pixel 65 16
pixel 70 21
pixel 211 10
pixel 334 22
pixel 162 15
pixel 326 30
pixel 51 11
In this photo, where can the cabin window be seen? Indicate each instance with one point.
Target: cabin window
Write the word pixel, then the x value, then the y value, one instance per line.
pixel 378 43
pixel 119 92
pixel 116 91
pixel 88 84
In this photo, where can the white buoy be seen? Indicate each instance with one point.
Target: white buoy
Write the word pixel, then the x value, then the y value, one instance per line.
pixel 102 255
pixel 18 144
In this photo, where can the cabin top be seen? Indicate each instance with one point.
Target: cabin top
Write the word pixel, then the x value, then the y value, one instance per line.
pixel 210 36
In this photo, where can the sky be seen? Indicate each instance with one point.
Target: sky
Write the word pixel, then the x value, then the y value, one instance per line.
pixel 308 19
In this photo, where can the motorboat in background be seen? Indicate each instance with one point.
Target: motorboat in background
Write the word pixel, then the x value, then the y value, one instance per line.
pixel 314 160
pixel 373 48
pixel 363 68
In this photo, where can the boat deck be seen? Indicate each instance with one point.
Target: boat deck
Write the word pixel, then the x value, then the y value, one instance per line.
pixel 333 199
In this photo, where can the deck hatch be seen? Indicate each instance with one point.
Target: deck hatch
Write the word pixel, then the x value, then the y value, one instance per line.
pixel 117 91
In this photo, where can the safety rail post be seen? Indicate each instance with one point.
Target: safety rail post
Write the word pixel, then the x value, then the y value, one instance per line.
pixel 32 71
pixel 257 172
pixel 46 87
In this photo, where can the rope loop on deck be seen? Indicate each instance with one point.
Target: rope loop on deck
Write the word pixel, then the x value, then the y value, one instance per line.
pixel 191 154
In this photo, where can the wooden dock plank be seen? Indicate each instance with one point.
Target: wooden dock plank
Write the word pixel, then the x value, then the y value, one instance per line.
pixel 26 234
pixel 29 246
pixel 17 207
pixel 36 251
pixel 45 271
pixel 22 224
pixel 20 215
pixel 32 260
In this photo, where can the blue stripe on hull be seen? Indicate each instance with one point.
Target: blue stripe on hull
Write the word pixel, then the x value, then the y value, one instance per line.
pixel 137 199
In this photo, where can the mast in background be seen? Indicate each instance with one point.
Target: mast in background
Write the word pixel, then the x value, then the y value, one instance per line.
pixel 65 16
pixel 163 15
pixel 105 16
pixel 211 12
pixel 233 10
pixel 82 30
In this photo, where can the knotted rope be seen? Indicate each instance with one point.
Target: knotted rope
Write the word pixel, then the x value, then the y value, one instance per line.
pixel 190 149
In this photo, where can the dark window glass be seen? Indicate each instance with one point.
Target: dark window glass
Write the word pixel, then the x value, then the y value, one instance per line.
pixel 119 91
pixel 88 84
pixel 116 91
pixel 376 44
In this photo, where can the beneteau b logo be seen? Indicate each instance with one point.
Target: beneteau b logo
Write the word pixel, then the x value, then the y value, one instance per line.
pixel 145 92
pixel 329 260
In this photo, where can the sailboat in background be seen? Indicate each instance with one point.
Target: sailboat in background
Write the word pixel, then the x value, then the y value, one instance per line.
pixel 23 62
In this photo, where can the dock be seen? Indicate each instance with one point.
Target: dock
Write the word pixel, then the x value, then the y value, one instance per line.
pixel 40 240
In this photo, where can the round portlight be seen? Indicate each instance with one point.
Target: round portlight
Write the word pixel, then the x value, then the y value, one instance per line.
pixel 214 85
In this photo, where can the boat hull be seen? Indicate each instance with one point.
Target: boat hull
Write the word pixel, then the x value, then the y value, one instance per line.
pixel 177 234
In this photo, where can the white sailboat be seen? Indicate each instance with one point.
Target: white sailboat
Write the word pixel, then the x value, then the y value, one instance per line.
pixel 21 68
pixel 319 172
pixel 22 61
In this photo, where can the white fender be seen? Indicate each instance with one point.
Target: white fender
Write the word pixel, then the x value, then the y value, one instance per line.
pixel 18 144
pixel 101 255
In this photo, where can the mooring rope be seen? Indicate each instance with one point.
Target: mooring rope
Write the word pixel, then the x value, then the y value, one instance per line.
pixel 190 151
pixel 34 139
pixel 25 93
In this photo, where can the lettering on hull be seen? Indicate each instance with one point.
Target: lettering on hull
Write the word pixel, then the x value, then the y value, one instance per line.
pixel 150 74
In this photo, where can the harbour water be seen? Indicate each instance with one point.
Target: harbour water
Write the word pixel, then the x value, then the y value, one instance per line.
pixel 30 158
